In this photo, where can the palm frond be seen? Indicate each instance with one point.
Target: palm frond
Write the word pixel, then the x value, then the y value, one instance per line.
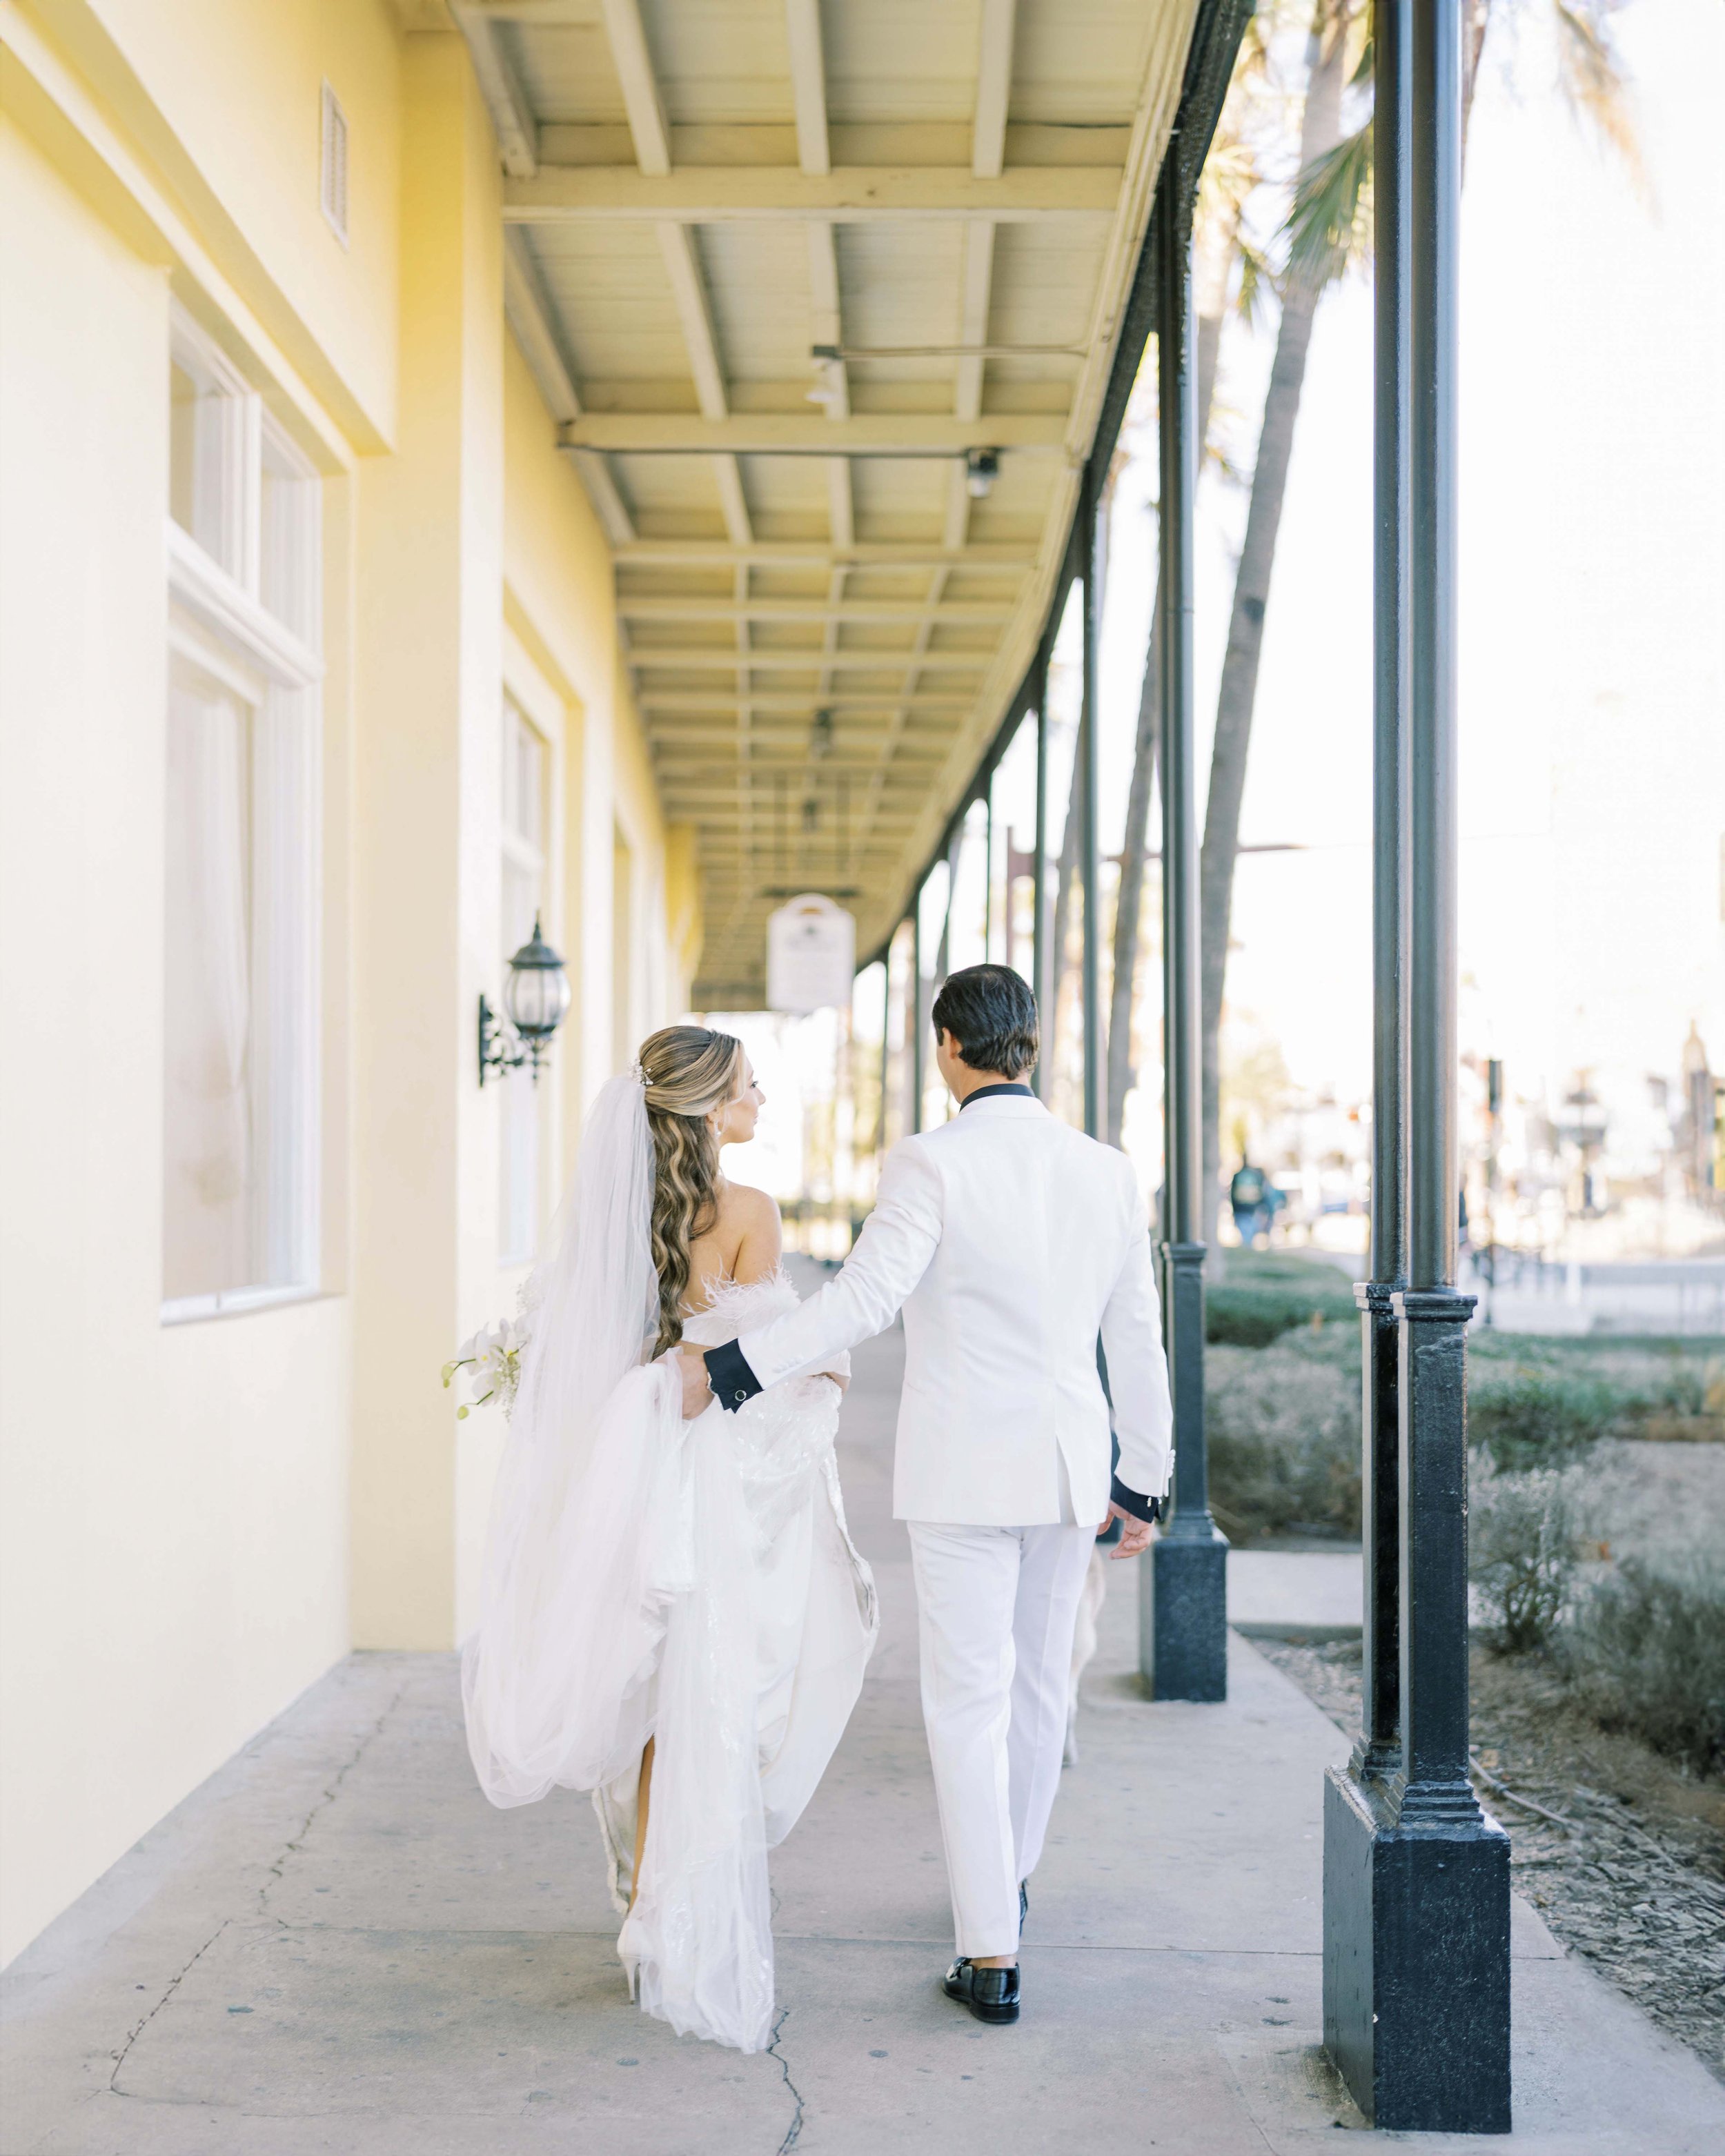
pixel 1257 284
pixel 1330 223
pixel 1595 82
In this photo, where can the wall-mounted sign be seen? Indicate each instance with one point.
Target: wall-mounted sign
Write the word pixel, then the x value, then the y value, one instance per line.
pixel 811 955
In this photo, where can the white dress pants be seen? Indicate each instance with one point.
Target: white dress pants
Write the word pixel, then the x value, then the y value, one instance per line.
pixel 996 1606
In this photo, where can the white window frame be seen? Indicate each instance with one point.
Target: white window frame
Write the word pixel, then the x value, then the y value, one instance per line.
pixel 531 860
pixel 218 621
pixel 549 708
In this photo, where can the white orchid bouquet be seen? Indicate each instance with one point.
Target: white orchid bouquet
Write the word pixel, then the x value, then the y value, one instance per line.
pixel 493 1360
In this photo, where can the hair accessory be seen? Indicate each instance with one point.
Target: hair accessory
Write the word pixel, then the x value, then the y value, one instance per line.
pixel 638 1074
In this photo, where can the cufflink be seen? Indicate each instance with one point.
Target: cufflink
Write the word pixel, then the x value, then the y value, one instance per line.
pixel 739 1395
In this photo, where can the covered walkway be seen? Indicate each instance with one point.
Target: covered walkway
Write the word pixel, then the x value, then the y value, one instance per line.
pixel 334 1945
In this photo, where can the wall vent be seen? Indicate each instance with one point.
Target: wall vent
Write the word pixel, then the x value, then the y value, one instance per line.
pixel 333 165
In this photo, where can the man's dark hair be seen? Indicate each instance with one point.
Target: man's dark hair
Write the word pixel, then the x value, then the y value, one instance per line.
pixel 991 1014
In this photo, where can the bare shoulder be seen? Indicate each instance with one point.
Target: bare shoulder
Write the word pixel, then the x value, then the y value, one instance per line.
pixel 746 1213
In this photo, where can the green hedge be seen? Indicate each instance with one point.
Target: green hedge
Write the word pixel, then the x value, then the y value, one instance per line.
pixel 1646 1652
pixel 1532 1418
pixel 1261 1295
pixel 1282 1430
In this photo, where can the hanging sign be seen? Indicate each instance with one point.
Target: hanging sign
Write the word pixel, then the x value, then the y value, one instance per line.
pixel 811 955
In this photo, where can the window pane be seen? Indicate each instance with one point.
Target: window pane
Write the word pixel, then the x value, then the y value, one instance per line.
pixel 210 1238
pixel 208 485
pixel 1012 921
pixel 287 550
pixel 1063 1011
pixel 523 894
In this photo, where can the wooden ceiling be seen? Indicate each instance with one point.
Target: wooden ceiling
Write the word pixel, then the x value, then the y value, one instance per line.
pixel 788 273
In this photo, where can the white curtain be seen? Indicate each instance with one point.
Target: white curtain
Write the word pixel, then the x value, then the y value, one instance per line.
pixel 209 1237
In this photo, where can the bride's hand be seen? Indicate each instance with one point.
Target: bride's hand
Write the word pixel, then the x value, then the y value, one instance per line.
pixel 697 1386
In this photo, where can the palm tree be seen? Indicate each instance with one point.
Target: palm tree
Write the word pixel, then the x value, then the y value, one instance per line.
pixel 1328 228
pixel 1229 177
pixel 1328 231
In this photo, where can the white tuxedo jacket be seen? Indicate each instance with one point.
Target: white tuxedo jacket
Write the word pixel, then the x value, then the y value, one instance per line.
pixel 1010 1241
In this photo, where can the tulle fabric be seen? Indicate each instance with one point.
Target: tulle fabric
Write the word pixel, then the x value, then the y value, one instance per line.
pixel 694 1582
pixel 546 1675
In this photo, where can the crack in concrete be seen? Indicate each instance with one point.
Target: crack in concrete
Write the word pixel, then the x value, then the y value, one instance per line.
pixel 295 1846
pixel 796 2094
pixel 174 1984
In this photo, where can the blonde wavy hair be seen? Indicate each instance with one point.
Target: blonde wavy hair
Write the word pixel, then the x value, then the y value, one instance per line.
pixel 689 1071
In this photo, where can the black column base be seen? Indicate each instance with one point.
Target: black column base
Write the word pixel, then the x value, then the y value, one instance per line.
pixel 1416 1963
pixel 1183 1612
pixel 1377 1750
pixel 1182 1618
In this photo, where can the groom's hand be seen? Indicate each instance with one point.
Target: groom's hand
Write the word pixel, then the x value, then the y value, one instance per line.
pixel 1134 1534
pixel 697 1390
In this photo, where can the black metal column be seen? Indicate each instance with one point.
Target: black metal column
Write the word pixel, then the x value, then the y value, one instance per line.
pixel 1040 938
pixel 913 1122
pixel 1184 1617
pixel 1089 840
pixel 1416 1876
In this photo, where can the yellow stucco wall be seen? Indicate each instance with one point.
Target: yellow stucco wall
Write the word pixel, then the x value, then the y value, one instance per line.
pixel 174 1561
pixel 198 1519
pixel 224 101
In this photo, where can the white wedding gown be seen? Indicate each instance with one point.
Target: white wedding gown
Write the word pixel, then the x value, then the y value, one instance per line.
pixel 699 1586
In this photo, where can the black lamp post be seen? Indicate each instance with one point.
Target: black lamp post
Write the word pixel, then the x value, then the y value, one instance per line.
pixel 536 1000
pixel 1416 1875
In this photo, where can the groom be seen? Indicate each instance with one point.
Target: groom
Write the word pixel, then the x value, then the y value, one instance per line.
pixel 1010 1242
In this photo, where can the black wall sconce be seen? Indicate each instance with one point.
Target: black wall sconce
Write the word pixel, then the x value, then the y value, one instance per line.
pixel 536 999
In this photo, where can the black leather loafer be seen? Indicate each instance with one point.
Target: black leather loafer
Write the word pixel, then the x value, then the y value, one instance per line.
pixel 992 1995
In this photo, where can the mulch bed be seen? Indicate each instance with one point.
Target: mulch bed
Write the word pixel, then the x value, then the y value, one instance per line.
pixel 1629 1869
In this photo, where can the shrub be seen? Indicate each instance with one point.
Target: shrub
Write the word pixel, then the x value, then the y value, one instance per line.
pixel 1252 1317
pixel 1261 1295
pixel 1282 1425
pixel 1540 1418
pixel 1647 1655
pixel 1522 1537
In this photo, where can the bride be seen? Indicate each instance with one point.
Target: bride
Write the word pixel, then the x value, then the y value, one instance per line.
pixel 673 1614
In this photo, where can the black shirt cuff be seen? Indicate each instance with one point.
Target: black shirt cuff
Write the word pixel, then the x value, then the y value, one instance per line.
pixel 1129 1501
pixel 727 1371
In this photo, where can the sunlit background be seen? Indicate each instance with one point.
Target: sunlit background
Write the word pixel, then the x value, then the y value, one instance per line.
pixel 1592 712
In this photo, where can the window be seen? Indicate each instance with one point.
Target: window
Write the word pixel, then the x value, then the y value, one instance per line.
pixel 239 1216
pixel 213 454
pixel 523 846
pixel 624 1042
pixel 332 164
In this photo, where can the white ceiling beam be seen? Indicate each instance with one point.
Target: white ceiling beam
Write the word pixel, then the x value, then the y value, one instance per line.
pixel 993 89
pixel 734 503
pixel 719 703
pixel 826 322
pixel 608 504
pixel 841 508
pixel 798 553
pixel 676 242
pixel 512 118
pixel 862 194
pixel 646 126
pixel 688 659
pixel 800 434
pixel 975 286
pixel 528 307
pixel 545 14
pixel 954 611
pixel 808 84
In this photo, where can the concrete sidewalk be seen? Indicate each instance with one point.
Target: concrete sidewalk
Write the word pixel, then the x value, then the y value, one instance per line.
pixel 335 1945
